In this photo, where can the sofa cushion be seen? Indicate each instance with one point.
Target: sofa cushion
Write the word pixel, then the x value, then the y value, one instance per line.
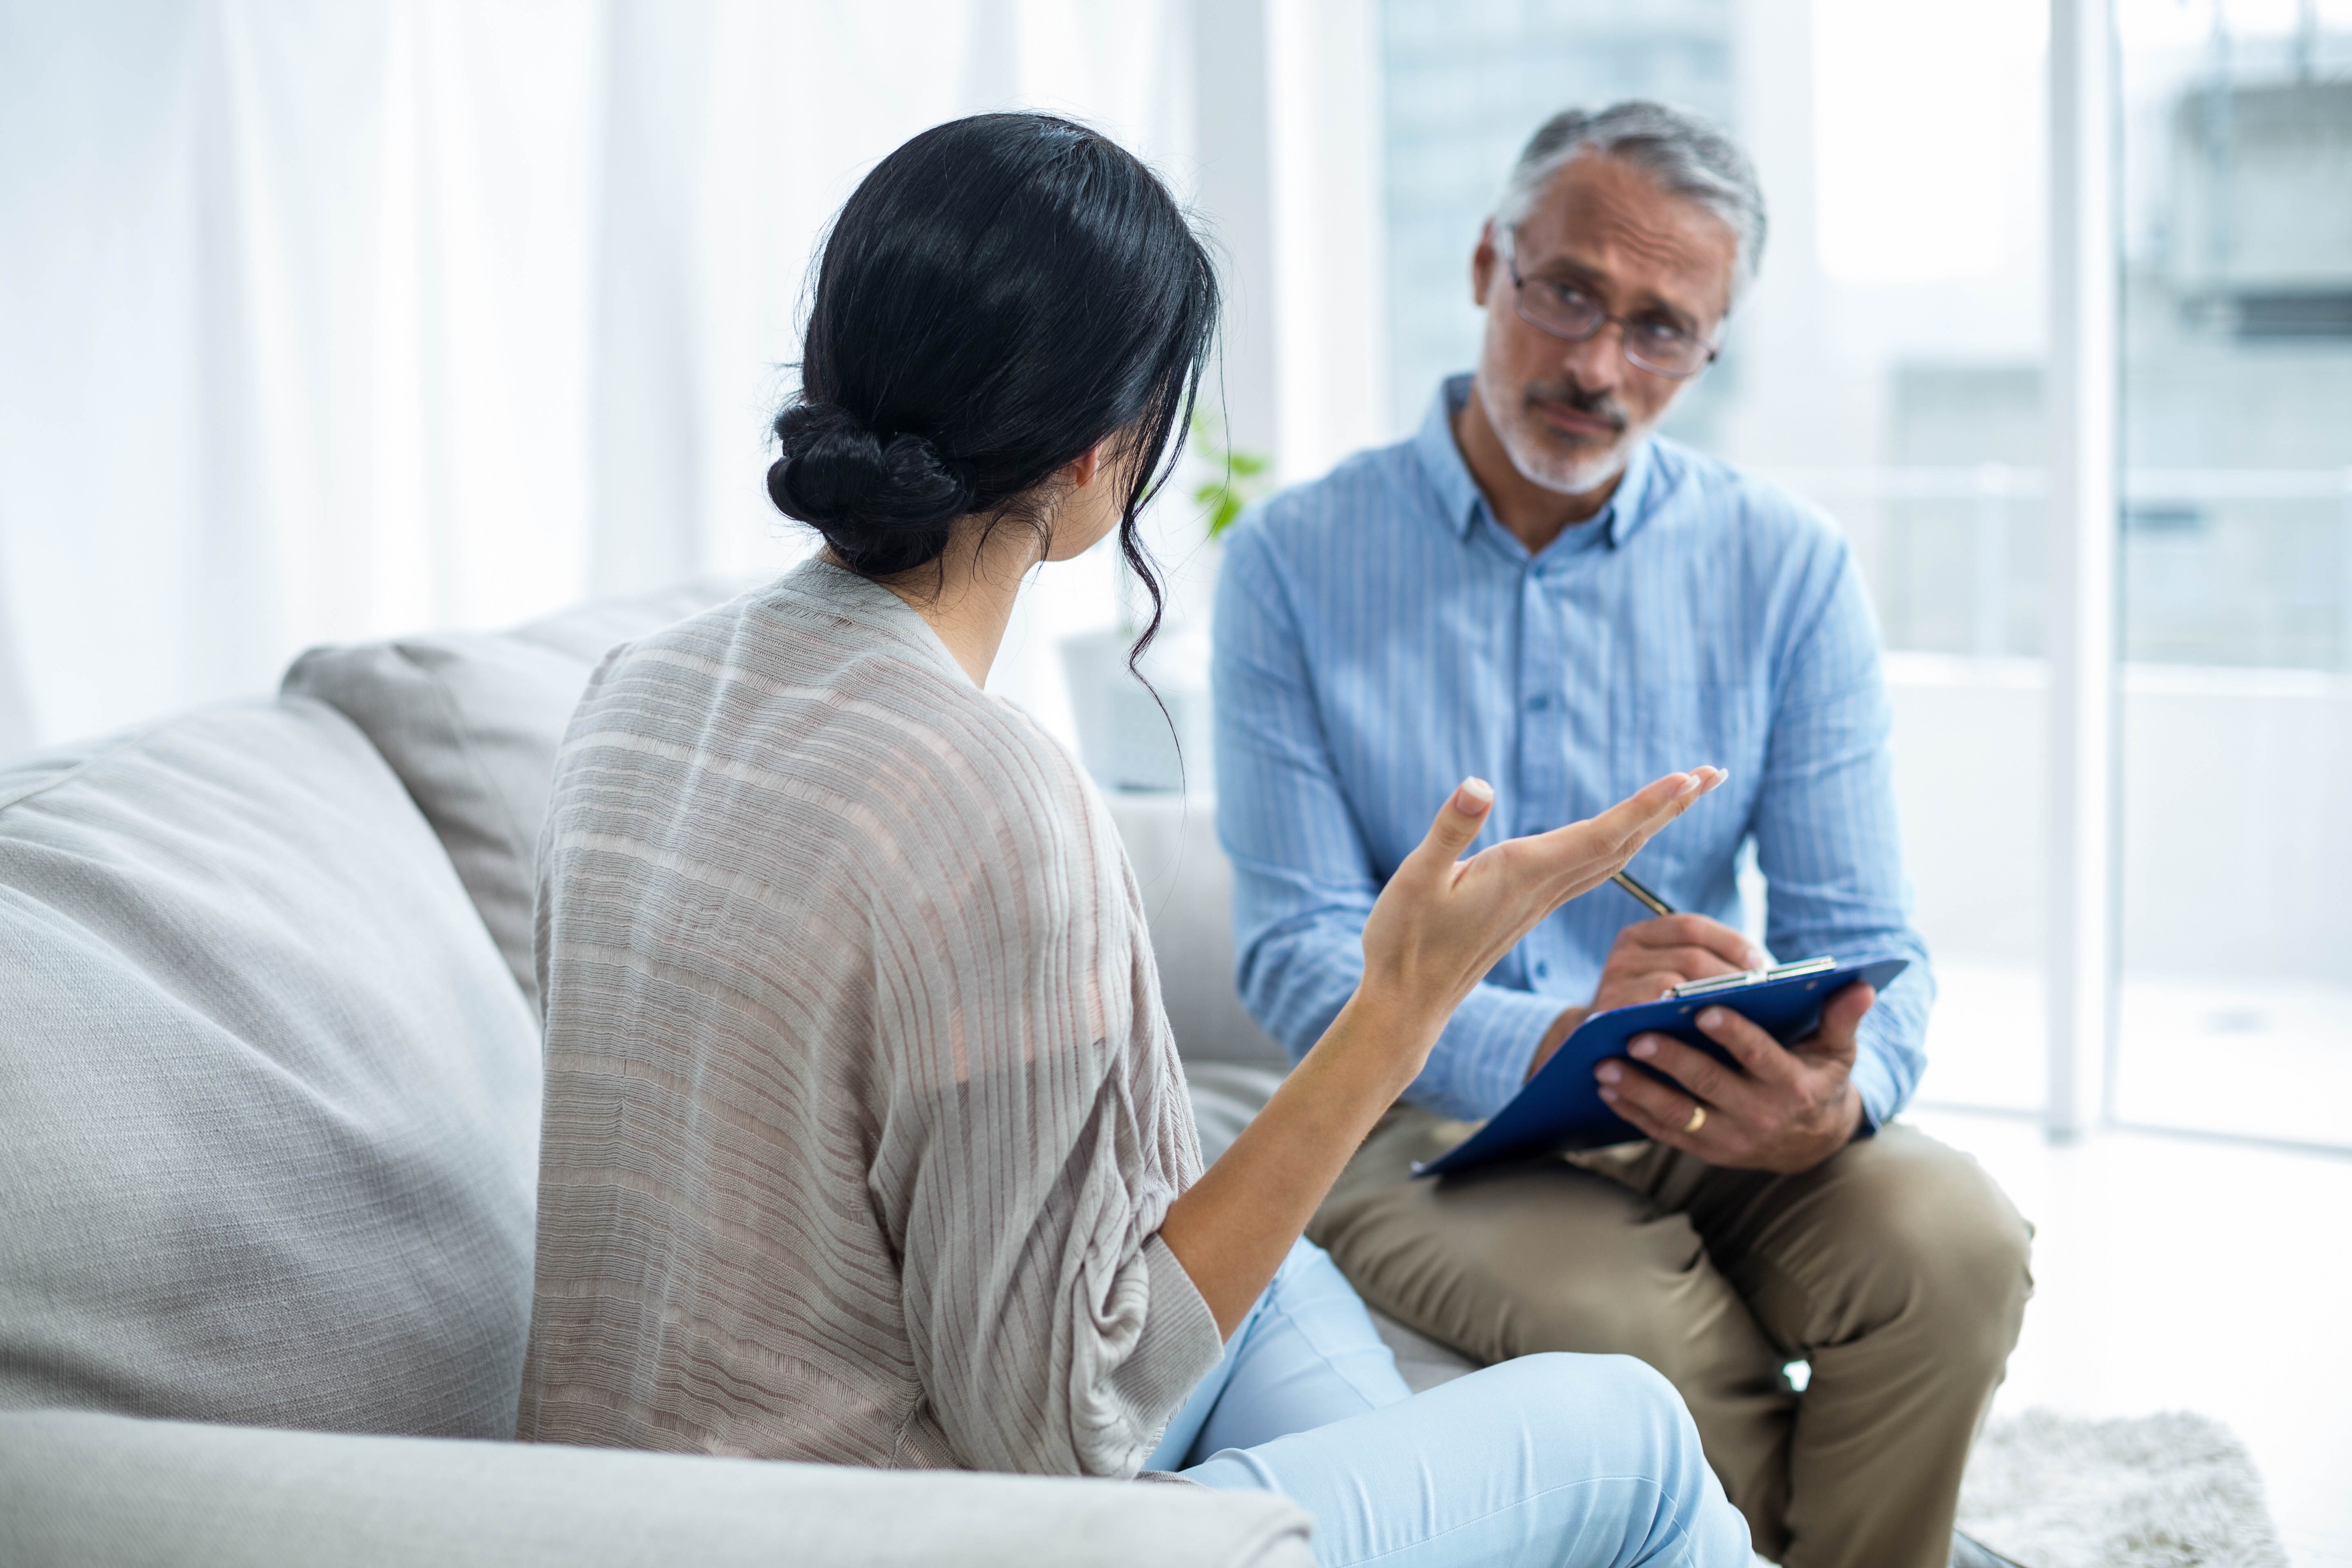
pixel 1188 896
pixel 470 722
pixel 78 1491
pixel 269 1098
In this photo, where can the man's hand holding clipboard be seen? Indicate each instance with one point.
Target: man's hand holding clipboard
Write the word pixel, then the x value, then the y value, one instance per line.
pixel 1752 1069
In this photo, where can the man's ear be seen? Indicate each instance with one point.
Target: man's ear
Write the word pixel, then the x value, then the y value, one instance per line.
pixel 1483 262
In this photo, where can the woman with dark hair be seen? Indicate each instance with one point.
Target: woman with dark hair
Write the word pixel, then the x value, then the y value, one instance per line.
pixel 866 1140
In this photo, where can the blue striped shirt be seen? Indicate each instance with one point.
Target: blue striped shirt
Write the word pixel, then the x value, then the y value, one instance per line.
pixel 1379 635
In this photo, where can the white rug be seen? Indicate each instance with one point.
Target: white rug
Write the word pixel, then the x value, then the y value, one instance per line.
pixel 2046 1490
pixel 2174 1490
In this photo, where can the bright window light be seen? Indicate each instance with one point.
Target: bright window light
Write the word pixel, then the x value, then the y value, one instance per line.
pixel 1921 115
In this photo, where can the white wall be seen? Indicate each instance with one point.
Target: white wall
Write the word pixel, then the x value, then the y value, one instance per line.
pixel 331 318
pixel 2237 843
pixel 1331 362
pixel 1968 743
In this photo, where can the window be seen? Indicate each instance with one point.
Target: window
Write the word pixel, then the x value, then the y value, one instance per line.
pixel 2236 552
pixel 1888 365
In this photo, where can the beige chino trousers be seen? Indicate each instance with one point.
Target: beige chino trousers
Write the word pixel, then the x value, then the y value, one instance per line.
pixel 1896 1268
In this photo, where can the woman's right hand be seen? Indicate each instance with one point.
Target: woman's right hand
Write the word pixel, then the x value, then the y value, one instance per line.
pixel 1441 923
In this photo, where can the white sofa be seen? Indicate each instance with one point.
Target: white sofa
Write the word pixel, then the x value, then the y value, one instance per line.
pixel 268 1104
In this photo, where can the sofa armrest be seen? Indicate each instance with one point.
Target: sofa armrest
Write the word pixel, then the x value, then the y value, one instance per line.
pixel 86 1489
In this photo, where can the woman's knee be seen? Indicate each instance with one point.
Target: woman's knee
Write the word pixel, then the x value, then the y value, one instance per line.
pixel 1616 1415
pixel 1622 1402
pixel 1620 1379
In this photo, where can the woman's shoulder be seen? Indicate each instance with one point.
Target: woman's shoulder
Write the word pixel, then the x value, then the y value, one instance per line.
pixel 983 780
pixel 830 687
pixel 896 678
pixel 817 643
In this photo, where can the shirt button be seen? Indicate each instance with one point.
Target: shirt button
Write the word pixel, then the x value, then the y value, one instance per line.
pixel 1539 702
pixel 1543 971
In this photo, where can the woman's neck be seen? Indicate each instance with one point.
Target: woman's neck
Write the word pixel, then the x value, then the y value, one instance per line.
pixel 967 596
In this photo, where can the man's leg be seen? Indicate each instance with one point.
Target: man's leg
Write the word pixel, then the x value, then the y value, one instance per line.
pixel 1543 1257
pixel 1898 1270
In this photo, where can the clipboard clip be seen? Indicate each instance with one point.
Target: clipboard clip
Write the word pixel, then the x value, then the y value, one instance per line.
pixel 1752 977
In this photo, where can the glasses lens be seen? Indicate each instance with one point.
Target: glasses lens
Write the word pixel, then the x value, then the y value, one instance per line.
pixel 1568 312
pixel 1674 354
pixel 1563 311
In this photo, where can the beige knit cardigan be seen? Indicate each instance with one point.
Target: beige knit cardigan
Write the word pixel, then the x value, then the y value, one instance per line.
pixel 862 1113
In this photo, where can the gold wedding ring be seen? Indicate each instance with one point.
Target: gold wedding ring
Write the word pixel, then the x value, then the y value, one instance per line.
pixel 1698 1118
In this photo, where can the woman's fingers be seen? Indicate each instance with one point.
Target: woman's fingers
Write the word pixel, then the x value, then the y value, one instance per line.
pixel 1565 861
pixel 1642 813
pixel 1590 851
pixel 1441 923
pixel 1458 822
pixel 1668 797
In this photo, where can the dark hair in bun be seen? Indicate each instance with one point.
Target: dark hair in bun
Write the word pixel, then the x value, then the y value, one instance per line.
pixel 885 507
pixel 999 296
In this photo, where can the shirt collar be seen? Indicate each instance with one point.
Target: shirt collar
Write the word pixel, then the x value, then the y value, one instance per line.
pixel 1440 460
pixel 1460 498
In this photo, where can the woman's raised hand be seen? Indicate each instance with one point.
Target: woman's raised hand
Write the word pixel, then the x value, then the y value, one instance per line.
pixel 1439 926
pixel 1442 921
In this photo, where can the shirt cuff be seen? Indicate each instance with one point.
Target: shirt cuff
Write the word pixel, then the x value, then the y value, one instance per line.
pixel 1178 1347
pixel 1481 1061
pixel 1180 1321
pixel 1882 1094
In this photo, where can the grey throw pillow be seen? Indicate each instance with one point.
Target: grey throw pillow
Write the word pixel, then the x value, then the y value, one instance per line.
pixel 269 1099
pixel 471 722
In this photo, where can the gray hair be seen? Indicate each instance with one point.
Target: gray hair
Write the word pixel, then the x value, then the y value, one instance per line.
pixel 1688 155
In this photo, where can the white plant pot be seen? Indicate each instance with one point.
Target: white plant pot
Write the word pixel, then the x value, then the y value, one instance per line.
pixel 1125 740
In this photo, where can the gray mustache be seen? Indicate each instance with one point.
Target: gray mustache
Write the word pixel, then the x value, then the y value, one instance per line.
pixel 1593 405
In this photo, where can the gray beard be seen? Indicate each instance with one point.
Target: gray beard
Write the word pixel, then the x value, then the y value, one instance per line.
pixel 1539 466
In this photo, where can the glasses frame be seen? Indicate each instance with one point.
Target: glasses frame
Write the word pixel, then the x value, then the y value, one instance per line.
pixel 1624 333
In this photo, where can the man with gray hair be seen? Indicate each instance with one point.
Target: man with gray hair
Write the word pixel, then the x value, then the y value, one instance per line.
pixel 1537 589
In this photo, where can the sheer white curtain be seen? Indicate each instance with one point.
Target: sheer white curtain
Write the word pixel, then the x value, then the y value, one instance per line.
pixel 328 319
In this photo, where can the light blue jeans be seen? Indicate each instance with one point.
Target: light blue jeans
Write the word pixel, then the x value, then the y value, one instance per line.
pixel 1562 1461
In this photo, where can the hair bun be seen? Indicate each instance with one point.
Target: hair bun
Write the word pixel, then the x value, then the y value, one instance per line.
pixel 885 507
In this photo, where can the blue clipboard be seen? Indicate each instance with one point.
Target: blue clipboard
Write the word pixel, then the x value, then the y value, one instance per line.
pixel 1561 1108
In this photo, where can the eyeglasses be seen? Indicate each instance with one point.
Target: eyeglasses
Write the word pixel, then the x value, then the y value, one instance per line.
pixel 1566 312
